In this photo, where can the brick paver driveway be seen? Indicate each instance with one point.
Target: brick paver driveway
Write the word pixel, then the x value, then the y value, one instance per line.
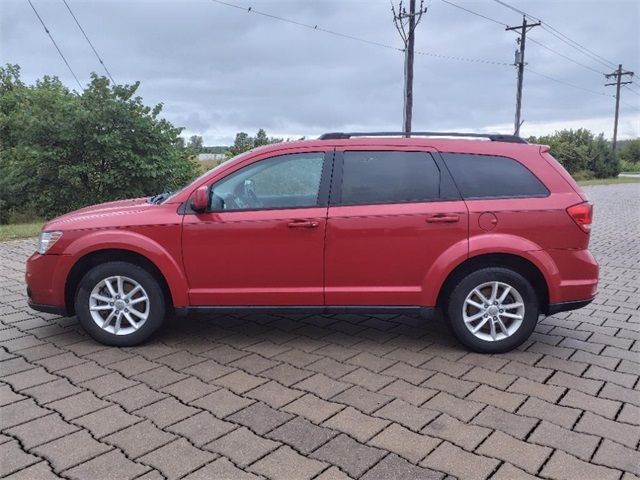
pixel 330 397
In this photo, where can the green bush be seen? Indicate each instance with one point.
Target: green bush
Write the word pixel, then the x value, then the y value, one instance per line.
pixel 632 167
pixel 60 151
pixel 580 150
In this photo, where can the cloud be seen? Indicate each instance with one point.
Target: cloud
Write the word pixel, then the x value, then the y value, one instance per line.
pixel 219 70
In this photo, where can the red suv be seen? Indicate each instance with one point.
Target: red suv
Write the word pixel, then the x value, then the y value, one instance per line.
pixel 492 232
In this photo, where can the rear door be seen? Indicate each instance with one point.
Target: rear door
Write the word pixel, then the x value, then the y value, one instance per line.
pixel 393 212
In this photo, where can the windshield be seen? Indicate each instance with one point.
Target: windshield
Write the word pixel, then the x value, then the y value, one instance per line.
pixel 169 195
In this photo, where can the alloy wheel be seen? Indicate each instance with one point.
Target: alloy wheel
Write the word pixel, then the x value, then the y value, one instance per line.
pixel 493 311
pixel 119 305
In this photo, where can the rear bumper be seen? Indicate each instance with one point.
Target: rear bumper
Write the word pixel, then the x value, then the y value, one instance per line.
pixel 576 278
pixel 566 306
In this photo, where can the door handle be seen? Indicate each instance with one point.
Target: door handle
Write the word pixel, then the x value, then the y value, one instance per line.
pixel 303 224
pixel 443 218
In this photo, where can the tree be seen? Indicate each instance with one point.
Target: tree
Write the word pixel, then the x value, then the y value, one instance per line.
pixel 630 151
pixel 60 151
pixel 195 144
pixel 244 142
pixel 580 152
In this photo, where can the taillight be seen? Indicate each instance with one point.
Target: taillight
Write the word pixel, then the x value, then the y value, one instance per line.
pixel 582 214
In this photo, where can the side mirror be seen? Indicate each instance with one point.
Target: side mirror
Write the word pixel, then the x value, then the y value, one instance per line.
pixel 200 199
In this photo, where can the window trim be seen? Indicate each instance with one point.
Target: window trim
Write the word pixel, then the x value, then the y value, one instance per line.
pixel 494 197
pixel 323 191
pixel 447 189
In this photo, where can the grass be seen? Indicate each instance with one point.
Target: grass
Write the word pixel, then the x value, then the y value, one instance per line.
pixel 20 230
pixel 608 181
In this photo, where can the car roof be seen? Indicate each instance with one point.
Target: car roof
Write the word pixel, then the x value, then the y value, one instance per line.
pixel 460 145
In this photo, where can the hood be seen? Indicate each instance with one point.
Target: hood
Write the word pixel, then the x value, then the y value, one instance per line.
pixel 109 214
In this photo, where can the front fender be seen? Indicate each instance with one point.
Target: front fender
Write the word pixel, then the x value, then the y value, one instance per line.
pixel 133 242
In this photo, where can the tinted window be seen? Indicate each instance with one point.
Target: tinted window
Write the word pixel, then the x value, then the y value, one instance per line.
pixel 286 181
pixel 485 176
pixel 389 177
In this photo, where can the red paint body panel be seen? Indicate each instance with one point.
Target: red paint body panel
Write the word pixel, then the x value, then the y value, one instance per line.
pixel 353 255
pixel 254 258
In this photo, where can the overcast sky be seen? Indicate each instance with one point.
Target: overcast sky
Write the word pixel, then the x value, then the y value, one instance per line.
pixel 219 70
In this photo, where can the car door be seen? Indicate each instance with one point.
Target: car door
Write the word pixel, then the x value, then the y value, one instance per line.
pixel 261 241
pixel 393 213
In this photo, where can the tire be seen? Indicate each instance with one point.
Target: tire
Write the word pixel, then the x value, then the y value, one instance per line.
pixel 493 336
pixel 98 307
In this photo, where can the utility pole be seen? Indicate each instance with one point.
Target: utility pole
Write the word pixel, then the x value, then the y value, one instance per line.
pixel 519 62
pixel 618 75
pixel 406 24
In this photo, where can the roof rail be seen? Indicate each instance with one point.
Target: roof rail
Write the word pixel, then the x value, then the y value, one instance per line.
pixel 494 137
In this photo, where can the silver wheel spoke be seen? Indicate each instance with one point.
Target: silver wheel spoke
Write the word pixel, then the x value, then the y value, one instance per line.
pixel 504 294
pixel 480 325
pixel 133 323
pixel 475 304
pixel 480 295
pixel 101 298
pixel 494 291
pixel 116 328
pixel 473 317
pixel 133 291
pixel 107 284
pixel 108 320
pixel 503 320
pixel 511 306
pixel 138 314
pixel 135 301
pixel 502 327
pixel 111 305
pixel 97 308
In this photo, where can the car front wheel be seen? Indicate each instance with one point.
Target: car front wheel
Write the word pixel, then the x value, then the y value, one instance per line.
pixel 493 310
pixel 120 304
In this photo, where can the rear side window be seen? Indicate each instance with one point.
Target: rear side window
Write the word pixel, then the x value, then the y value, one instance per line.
pixel 372 177
pixel 485 176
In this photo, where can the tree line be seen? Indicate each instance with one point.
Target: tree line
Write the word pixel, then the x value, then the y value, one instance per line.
pixel 61 150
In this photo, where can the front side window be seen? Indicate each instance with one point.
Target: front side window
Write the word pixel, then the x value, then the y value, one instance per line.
pixel 486 176
pixel 285 181
pixel 374 177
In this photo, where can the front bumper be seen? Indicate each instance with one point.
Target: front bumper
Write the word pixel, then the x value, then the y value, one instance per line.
pixel 44 292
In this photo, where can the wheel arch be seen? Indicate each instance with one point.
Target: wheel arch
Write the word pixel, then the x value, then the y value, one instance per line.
pixel 98 257
pixel 511 261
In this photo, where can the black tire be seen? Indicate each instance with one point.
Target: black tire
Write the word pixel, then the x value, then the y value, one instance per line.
pixel 466 284
pixel 146 280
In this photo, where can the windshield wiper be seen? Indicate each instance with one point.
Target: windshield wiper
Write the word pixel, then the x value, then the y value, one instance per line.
pixel 161 197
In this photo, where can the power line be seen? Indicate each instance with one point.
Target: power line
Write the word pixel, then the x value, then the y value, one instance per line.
pixel 55 44
pixel 306 25
pixel 475 13
pixel 352 37
pixel 463 59
pixel 531 39
pixel 565 56
pixel 89 42
pixel 567 83
pixel 561 36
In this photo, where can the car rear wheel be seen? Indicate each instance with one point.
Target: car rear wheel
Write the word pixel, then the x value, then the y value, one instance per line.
pixel 493 310
pixel 120 304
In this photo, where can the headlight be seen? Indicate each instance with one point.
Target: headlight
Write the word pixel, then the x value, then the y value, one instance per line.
pixel 46 241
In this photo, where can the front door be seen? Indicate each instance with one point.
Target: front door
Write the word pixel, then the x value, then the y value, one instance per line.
pixel 261 242
pixel 393 213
